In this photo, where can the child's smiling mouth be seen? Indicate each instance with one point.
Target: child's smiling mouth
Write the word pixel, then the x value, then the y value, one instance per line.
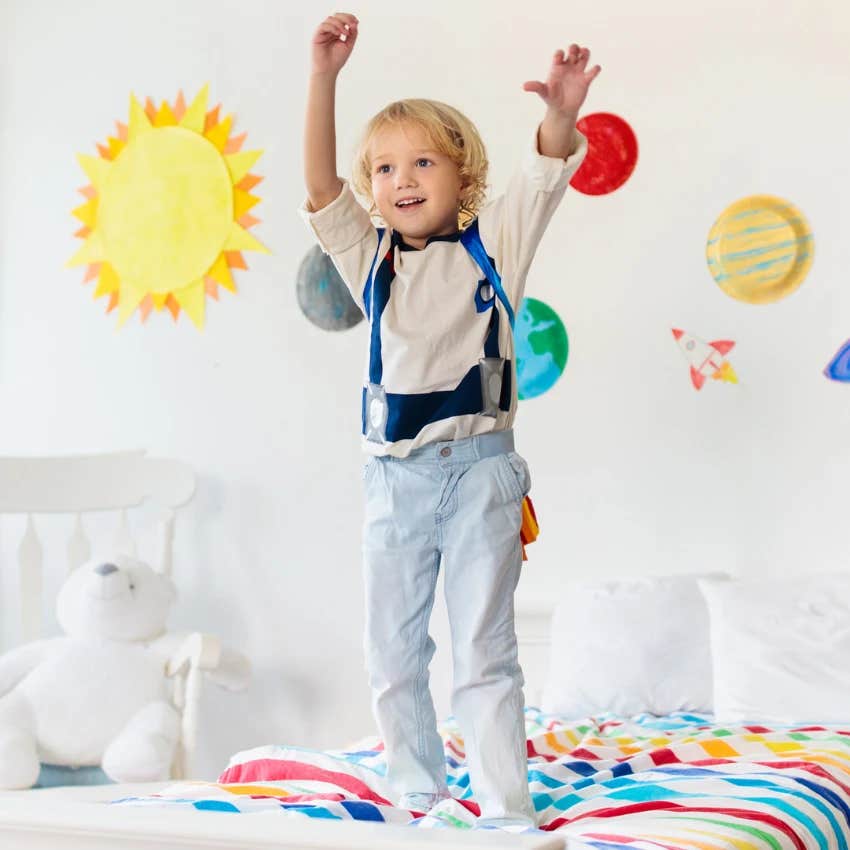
pixel 409 203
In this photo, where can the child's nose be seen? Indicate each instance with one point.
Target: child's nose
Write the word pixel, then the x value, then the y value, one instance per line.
pixel 405 177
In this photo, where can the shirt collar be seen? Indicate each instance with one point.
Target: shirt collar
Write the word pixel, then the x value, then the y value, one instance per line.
pixel 398 239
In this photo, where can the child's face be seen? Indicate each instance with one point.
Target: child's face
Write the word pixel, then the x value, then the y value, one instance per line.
pixel 406 165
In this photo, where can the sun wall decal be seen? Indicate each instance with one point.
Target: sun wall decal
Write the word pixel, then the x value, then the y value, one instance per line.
pixel 167 212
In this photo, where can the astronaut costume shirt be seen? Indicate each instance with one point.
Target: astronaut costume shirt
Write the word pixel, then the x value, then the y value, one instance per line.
pixel 440 363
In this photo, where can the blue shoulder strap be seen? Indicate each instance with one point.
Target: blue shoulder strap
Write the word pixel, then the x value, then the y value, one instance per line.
pixel 471 240
pixel 367 289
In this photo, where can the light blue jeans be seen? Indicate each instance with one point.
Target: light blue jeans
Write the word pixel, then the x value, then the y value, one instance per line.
pixel 456 503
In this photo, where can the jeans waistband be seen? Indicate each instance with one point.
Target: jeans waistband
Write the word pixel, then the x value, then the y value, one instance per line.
pixel 465 450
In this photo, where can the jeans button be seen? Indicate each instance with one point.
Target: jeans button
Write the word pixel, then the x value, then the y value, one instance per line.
pixel 445 451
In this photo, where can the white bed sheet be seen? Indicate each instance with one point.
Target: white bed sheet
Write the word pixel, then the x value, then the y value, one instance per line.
pixel 79 818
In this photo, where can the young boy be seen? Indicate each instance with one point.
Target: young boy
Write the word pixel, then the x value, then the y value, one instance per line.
pixel 443 484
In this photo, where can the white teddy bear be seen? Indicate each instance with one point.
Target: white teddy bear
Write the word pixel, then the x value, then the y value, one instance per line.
pixel 99 694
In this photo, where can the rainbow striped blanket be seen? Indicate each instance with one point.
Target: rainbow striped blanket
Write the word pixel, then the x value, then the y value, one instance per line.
pixel 643 783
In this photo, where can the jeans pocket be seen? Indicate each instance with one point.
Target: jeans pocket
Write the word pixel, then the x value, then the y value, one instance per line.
pixel 369 468
pixel 518 473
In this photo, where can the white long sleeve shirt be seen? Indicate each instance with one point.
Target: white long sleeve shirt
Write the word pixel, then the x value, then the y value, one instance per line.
pixel 432 331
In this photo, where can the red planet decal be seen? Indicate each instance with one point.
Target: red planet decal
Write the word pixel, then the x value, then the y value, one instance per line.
pixel 611 154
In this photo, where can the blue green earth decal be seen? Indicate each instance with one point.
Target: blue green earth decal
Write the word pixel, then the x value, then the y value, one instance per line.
pixel 542 348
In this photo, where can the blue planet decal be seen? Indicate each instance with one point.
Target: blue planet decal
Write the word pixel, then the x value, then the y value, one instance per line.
pixel 542 348
pixel 322 294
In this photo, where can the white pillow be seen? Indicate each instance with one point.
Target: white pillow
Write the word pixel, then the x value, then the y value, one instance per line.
pixel 781 648
pixel 629 646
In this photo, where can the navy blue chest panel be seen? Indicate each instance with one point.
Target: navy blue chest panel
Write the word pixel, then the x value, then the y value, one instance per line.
pixel 486 387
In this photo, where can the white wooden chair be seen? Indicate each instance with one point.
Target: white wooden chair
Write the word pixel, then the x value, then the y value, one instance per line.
pixel 113 482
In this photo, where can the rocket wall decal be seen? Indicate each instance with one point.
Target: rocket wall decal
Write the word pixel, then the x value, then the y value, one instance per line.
pixel 706 359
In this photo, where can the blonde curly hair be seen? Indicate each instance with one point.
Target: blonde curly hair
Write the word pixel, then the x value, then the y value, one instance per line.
pixel 451 133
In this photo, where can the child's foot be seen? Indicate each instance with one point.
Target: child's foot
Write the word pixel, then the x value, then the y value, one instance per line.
pixel 446 812
pixel 421 803
pixel 507 824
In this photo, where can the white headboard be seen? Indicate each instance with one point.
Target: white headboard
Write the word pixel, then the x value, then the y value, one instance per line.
pixel 84 484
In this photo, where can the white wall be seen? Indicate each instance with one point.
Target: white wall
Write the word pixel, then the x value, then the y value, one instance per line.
pixel 633 470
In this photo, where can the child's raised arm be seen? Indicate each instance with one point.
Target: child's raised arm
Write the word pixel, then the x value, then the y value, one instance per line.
pixel 331 46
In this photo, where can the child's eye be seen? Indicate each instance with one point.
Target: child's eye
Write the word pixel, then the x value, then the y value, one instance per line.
pixel 418 161
pixel 380 169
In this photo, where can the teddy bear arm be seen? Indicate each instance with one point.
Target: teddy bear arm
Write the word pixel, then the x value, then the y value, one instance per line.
pixel 22 660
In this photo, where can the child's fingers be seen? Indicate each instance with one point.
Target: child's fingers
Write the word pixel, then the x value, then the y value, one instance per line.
pixel 346 25
pixel 346 18
pixel 335 26
pixel 351 34
pixel 537 87
pixel 575 55
pixel 328 31
pixel 347 31
pixel 332 36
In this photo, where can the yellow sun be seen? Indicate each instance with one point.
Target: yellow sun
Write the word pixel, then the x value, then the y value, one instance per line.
pixel 167 211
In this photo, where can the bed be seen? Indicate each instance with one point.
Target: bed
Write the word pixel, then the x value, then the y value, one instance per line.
pixel 648 782
pixel 82 818
pixel 651 780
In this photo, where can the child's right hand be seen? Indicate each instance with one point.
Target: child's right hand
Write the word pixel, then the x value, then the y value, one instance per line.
pixel 333 42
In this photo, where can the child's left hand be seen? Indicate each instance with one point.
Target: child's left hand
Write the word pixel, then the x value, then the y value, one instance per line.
pixel 566 88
